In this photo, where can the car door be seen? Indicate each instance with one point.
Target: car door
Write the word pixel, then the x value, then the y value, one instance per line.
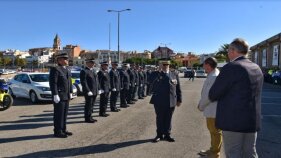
pixel 15 84
pixel 26 85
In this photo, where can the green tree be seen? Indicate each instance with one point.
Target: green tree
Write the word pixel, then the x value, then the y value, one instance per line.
pixel 221 55
pixel 20 62
pixel 6 61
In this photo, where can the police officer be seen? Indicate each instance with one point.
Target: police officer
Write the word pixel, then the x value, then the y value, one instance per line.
pixel 104 82
pixel 132 75
pixel 125 86
pixel 90 86
pixel 166 95
pixel 148 81
pixel 61 88
pixel 137 81
pixel 115 86
pixel 141 83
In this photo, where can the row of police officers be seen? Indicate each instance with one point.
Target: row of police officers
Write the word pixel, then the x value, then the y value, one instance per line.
pixel 130 83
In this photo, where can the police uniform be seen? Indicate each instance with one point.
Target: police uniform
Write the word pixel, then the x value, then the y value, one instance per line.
pixel 141 84
pixel 165 96
pixel 137 80
pixel 61 88
pixel 132 75
pixel 125 87
pixel 90 86
pixel 104 82
pixel 148 81
pixel 115 88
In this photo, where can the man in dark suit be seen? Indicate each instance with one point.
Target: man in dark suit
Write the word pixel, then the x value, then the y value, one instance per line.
pixel 90 86
pixel 104 82
pixel 238 92
pixel 141 83
pixel 132 75
pixel 125 86
pixel 115 86
pixel 61 88
pixel 148 81
pixel 166 95
pixel 137 80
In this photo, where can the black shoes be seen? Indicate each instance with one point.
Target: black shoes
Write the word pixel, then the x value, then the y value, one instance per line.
pixel 131 102
pixel 104 115
pixel 91 121
pixel 60 135
pixel 141 98
pixel 169 139
pixel 115 110
pixel 124 106
pixel 134 100
pixel 157 139
pixel 68 133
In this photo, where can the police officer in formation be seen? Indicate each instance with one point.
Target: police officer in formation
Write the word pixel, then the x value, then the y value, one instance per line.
pixel 90 86
pixel 166 95
pixel 141 83
pixel 61 88
pixel 148 81
pixel 125 86
pixel 137 82
pixel 104 81
pixel 115 86
pixel 132 75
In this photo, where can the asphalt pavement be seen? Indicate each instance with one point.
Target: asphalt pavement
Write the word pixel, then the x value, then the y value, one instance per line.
pixel 26 130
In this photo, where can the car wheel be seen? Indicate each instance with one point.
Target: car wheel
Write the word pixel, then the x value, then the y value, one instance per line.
pixel 11 93
pixel 33 97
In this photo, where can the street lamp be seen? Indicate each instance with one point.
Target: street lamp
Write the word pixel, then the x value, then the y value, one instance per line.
pixel 118 11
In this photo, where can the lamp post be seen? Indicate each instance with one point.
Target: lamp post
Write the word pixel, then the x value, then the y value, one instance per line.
pixel 118 11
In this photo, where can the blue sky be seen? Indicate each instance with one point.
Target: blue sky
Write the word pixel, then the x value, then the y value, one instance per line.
pixel 184 25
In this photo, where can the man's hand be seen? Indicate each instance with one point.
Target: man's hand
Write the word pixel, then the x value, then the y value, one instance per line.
pixel 114 89
pixel 178 104
pixel 90 93
pixel 101 91
pixel 56 99
pixel 198 107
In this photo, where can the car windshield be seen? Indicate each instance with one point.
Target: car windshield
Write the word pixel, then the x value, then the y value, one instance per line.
pixel 75 75
pixel 39 77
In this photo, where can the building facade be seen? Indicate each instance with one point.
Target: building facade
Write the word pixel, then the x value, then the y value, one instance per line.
pixel 162 52
pixel 267 53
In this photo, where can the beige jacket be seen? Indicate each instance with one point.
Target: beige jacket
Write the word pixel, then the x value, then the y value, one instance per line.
pixel 209 108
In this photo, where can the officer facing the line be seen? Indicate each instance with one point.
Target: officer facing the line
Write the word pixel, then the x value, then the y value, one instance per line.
pixel 166 95
pixel 115 86
pixel 61 88
pixel 90 86
pixel 104 81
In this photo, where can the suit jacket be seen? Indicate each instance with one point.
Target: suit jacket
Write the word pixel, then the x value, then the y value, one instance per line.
pixel 115 79
pixel 89 81
pixel 60 82
pixel 132 75
pixel 141 78
pixel 104 81
pixel 125 79
pixel 166 90
pixel 238 92
pixel 205 104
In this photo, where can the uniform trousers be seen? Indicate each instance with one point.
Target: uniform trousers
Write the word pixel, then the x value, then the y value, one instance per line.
pixel 164 115
pixel 103 102
pixel 60 115
pixel 89 105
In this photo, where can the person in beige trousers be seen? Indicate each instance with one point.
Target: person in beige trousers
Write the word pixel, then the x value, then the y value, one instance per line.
pixel 209 109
